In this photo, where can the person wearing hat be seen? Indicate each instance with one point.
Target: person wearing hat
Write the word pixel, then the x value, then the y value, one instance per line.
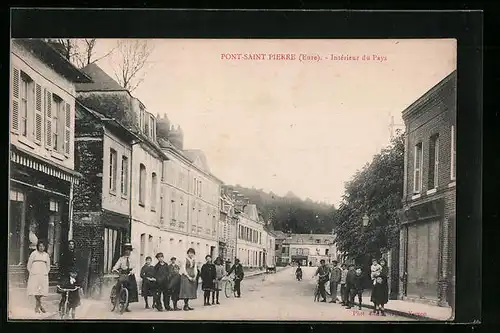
pixel 125 266
pixel 162 275
pixel 174 286
pixel 238 276
pixel 335 276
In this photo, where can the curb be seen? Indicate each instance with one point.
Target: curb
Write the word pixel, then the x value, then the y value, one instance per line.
pixel 403 314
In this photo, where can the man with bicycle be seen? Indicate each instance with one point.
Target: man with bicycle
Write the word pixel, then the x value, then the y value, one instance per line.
pixel 238 276
pixel 323 273
pixel 125 267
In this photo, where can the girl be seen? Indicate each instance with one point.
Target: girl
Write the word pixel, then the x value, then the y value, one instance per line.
pixel 378 297
pixel 148 281
pixel 219 274
pixel 38 280
pixel 384 274
pixel 208 276
pixel 188 279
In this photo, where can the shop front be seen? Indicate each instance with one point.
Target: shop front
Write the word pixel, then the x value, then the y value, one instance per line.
pixel 39 209
pixel 423 230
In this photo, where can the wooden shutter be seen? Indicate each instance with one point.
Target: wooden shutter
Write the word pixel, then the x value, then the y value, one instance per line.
pixel 67 129
pixel 38 114
pixel 14 126
pixel 48 119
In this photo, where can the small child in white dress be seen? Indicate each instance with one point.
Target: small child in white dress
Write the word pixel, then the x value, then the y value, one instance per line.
pixel 376 269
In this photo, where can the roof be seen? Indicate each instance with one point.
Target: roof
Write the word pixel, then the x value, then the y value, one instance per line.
pixel 54 59
pixel 197 154
pixel 430 94
pixel 101 80
pixel 279 234
pixel 310 238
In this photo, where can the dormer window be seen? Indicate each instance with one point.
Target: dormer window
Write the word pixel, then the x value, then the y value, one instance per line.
pixel 152 127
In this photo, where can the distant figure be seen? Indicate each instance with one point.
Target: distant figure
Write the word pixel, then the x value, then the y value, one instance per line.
pixel 298 272
pixel 310 263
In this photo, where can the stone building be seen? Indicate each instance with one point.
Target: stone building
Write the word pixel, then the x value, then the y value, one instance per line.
pixel 427 238
pixel 227 225
pixel 251 246
pixel 42 176
pixel 311 248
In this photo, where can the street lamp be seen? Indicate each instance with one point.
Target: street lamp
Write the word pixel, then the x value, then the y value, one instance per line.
pixel 366 220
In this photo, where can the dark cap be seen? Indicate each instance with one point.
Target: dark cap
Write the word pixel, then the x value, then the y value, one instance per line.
pixel 173 258
pixel 159 254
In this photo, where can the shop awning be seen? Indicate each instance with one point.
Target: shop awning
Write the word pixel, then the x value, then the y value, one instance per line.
pixel 35 162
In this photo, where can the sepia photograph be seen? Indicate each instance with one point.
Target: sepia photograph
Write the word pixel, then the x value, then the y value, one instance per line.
pixel 179 179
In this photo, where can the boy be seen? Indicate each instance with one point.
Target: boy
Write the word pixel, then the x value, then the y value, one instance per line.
pixel 343 277
pixel 162 277
pixel 70 282
pixel 335 277
pixel 174 286
pixel 357 288
pixel 148 281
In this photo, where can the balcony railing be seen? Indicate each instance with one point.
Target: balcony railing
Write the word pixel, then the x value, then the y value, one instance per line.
pixel 173 223
pixel 200 230
pixel 182 225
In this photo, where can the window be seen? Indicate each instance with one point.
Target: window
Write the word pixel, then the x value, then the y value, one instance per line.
pixel 142 250
pixel 326 252
pixel 172 210
pixel 318 241
pixel 112 247
pixel 195 186
pixel 142 184
pixel 154 185
pixel 453 166
pixel 53 205
pixel 112 170
pixel 60 124
pixel 151 250
pixel 433 175
pixel 24 97
pixel 124 176
pixel 151 127
pixel 418 166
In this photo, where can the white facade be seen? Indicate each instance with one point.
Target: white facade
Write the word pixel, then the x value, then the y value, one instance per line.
pixel 311 248
pixel 270 241
pixel 251 242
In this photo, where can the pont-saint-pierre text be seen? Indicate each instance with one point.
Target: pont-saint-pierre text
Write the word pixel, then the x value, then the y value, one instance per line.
pixel 302 57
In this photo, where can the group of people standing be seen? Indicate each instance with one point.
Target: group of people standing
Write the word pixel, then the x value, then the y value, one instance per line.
pixel 351 281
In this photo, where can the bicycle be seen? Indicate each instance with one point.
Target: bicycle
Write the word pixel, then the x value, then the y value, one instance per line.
pixel 64 312
pixel 317 294
pixel 228 287
pixel 120 300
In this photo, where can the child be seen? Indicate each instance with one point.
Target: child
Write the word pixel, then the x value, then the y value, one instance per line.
pixel 148 281
pixel 378 297
pixel 376 269
pixel 357 288
pixel 219 274
pixel 175 285
pixel 70 282
pixel 208 275
pixel 162 276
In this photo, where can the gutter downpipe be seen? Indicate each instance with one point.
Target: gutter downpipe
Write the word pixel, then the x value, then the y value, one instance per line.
pixel 130 189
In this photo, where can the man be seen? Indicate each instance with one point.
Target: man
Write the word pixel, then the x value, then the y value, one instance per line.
pixel 126 268
pixel 323 273
pixel 334 280
pixel 343 278
pixel 238 276
pixel 350 285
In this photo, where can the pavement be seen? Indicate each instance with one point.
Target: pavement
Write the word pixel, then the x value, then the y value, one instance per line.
pixel 271 297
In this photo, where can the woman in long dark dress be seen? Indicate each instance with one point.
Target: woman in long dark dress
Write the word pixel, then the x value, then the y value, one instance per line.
pixel 384 274
pixel 189 271
pixel 208 277
pixel 148 281
pixel 125 266
pixel 68 261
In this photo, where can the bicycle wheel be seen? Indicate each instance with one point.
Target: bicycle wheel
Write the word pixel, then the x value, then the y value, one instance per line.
pixel 123 300
pixel 228 288
pixel 65 309
pixel 113 298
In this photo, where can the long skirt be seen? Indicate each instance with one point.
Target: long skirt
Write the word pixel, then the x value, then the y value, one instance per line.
pixel 38 285
pixel 133 295
pixel 207 285
pixel 188 288
pixel 380 294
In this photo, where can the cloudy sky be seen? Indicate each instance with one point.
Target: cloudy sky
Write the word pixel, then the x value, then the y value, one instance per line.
pixel 300 126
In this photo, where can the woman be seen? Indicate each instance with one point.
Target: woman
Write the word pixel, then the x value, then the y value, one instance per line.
pixel 188 279
pixel 384 274
pixel 208 277
pixel 220 272
pixel 125 265
pixel 148 281
pixel 38 280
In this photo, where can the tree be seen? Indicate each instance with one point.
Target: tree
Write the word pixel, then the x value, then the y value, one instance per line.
pixel 80 52
pixel 132 56
pixel 376 190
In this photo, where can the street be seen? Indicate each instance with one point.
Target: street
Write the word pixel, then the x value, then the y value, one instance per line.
pixel 265 297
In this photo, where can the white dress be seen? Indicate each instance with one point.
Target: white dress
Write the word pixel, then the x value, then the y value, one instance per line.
pixel 38 268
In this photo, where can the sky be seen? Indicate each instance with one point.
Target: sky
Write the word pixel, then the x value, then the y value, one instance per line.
pixel 288 125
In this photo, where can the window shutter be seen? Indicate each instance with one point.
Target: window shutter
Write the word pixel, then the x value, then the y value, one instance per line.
pixel 67 130
pixel 14 126
pixel 38 114
pixel 48 119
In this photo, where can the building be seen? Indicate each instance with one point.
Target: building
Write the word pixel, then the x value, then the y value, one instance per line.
pixel 42 176
pixel 190 199
pixel 227 225
pixel 310 248
pixel 251 247
pixel 427 238
pixel 124 167
pixel 270 241
pixel 282 253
